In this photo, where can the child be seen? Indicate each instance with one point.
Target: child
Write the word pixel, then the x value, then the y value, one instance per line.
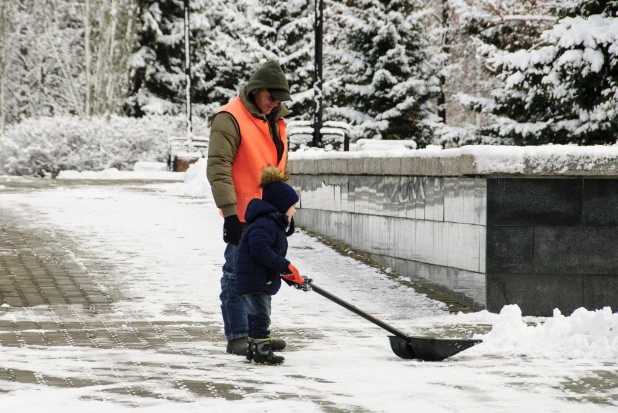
pixel 261 259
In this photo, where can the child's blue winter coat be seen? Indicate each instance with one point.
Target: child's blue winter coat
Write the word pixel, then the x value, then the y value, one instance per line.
pixel 260 257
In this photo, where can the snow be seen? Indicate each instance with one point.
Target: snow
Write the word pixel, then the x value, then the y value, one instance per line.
pixel 487 158
pixel 379 144
pixel 115 174
pixel 150 166
pixel 583 334
pixel 195 183
pixel 162 246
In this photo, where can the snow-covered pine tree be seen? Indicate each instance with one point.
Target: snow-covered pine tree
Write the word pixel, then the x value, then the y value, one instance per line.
pixel 564 89
pixel 478 28
pixel 157 75
pixel 242 35
pixel 229 40
pixel 383 70
pixel 214 53
pixel 284 31
pixel 583 8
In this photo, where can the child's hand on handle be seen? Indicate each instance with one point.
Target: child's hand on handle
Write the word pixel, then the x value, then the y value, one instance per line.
pixel 293 278
pixel 291 273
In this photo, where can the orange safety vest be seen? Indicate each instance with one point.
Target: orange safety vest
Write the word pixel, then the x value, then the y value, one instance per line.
pixel 256 151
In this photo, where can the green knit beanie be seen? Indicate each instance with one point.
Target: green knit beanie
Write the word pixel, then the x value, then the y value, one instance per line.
pixel 270 76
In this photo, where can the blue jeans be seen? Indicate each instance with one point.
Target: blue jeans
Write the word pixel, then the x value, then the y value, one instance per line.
pixel 233 307
pixel 258 308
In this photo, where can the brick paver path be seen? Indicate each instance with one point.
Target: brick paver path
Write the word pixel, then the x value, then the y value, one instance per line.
pixel 62 325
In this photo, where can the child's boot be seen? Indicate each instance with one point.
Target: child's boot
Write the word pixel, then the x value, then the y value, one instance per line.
pixel 263 353
pixel 277 344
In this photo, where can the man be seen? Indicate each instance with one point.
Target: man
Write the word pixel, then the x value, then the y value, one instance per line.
pixel 246 135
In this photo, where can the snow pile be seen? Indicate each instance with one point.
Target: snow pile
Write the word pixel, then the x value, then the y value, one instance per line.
pixel 583 334
pixel 380 144
pixel 150 166
pixel 195 185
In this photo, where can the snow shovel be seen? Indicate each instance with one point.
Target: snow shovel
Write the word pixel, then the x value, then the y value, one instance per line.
pixel 404 346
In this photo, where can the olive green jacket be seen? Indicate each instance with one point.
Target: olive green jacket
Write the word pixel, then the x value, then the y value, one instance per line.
pixel 224 142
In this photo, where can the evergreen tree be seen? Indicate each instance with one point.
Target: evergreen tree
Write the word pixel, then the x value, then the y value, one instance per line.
pixel 586 8
pixel 229 40
pixel 383 74
pixel 284 31
pixel 477 29
pixel 564 90
pixel 246 34
pixel 157 75
pixel 217 56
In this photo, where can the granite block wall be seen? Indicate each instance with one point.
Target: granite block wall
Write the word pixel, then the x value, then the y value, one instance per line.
pixel 431 229
pixel 541 243
pixel 551 243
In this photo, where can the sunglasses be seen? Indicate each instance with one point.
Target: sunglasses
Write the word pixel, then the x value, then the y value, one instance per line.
pixel 272 99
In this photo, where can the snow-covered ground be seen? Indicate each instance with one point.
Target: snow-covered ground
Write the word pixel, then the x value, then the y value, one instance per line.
pixel 162 244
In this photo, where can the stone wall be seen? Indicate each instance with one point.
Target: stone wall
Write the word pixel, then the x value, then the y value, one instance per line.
pixel 431 229
pixel 485 238
pixel 552 243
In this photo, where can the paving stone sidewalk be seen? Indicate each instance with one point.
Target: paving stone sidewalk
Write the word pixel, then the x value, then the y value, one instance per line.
pixel 51 308
pixel 41 275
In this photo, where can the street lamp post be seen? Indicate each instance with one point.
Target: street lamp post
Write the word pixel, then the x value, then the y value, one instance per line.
pixel 187 69
pixel 317 84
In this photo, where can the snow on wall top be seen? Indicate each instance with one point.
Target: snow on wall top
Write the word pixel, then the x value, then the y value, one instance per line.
pixel 467 160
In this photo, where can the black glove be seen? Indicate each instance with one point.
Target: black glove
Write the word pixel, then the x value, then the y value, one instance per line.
pixel 232 230
pixel 290 230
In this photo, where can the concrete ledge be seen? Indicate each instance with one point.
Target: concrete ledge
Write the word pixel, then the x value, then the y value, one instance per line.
pixel 449 166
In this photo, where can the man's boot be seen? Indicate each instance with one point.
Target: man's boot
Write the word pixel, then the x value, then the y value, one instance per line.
pixel 237 346
pixel 262 352
pixel 250 349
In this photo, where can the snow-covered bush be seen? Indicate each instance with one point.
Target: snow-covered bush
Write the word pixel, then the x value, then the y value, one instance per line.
pixel 48 145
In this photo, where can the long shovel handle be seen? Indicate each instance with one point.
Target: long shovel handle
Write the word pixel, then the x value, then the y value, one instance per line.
pixel 359 312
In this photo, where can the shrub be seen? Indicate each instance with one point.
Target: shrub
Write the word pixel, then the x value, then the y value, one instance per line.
pixel 48 145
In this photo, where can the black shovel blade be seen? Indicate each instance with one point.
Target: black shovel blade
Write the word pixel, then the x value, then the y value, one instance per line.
pixel 429 349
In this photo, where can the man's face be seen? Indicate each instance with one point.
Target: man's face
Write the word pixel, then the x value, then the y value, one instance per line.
pixel 264 101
